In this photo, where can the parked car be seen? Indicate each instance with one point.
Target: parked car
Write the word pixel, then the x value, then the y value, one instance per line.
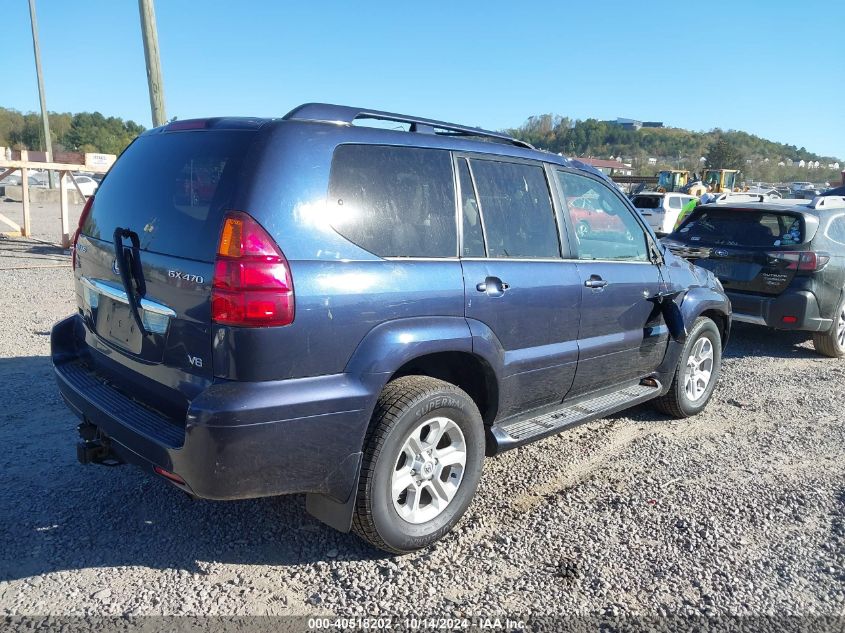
pixel 808 193
pixel 782 265
pixel 588 219
pixel 795 187
pixel 361 314
pixel 768 192
pixel 87 185
pixel 661 210
pixel 15 180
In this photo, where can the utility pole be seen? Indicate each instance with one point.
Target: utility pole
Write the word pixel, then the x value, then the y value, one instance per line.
pixel 48 143
pixel 151 56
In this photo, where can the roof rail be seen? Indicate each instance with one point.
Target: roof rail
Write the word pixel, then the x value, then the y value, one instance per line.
pixel 828 202
pixel 347 114
pixel 739 196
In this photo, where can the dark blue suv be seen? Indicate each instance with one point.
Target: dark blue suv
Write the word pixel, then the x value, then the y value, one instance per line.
pixel 312 305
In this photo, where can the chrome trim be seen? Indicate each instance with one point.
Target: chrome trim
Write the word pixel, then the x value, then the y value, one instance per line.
pixel 748 318
pixel 119 294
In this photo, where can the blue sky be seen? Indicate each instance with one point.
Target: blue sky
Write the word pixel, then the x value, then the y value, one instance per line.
pixel 744 65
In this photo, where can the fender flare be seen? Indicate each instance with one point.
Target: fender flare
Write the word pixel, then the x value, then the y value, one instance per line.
pixel 684 311
pixel 386 348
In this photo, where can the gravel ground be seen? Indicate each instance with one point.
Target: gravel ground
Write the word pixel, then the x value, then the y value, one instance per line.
pixel 739 511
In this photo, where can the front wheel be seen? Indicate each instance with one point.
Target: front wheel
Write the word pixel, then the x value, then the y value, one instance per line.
pixel 697 372
pixel 422 462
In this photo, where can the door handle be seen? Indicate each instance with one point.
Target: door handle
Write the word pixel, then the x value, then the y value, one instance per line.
pixel 493 286
pixel 595 282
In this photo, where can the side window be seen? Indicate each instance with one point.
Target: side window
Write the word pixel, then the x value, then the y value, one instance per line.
pixel 473 237
pixel 675 202
pixel 836 230
pixel 517 209
pixel 394 201
pixel 608 231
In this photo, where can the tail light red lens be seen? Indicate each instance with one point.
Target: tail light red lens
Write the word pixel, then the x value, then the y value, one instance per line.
pixel 252 282
pixel 802 260
pixel 85 211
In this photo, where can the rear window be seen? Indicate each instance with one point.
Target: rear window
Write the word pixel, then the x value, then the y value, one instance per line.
pixel 394 201
pixel 742 227
pixel 172 190
pixel 647 202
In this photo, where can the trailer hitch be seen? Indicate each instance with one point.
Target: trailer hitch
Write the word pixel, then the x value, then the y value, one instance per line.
pixel 94 447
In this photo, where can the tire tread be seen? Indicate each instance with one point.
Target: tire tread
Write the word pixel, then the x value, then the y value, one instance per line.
pixel 825 343
pixel 396 397
pixel 670 403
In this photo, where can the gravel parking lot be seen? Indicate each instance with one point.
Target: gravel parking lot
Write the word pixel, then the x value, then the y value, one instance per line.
pixel 740 510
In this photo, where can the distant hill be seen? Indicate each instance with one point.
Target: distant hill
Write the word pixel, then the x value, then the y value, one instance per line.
pixel 669 146
pixel 81 132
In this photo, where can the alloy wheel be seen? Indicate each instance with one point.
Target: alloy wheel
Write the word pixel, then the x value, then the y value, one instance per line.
pixel 429 470
pixel 840 329
pixel 699 369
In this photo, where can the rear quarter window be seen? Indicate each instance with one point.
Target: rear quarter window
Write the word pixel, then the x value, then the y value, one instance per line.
pixel 836 230
pixel 394 201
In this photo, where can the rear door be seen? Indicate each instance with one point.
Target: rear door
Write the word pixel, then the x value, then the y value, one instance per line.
pixel 516 280
pixel 748 249
pixel 157 218
pixel 622 335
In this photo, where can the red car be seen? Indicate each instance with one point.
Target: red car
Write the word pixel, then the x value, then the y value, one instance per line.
pixel 588 220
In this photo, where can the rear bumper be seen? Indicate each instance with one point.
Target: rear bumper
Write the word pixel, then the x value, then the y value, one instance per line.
pixel 770 311
pixel 239 440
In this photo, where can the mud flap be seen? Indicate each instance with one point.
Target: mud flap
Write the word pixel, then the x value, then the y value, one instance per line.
pixel 328 509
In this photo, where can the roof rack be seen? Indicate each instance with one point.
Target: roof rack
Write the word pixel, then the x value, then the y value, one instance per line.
pixel 345 115
pixel 739 196
pixel 828 202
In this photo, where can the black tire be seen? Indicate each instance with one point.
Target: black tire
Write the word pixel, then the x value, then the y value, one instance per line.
pixel 676 402
pixel 402 406
pixel 832 342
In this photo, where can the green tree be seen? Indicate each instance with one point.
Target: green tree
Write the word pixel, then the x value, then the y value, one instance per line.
pixel 723 154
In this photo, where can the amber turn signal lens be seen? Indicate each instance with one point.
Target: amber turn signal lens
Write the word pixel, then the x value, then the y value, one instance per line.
pixel 231 238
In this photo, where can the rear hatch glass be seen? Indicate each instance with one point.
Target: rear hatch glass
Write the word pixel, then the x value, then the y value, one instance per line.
pixel 168 193
pixel 737 246
pixel 742 227
pixel 172 189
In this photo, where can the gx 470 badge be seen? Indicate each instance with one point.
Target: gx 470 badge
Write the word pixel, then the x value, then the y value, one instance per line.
pixel 176 274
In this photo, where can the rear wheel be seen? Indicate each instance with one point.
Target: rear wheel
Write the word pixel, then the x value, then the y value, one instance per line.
pixel 422 462
pixel 832 342
pixel 697 372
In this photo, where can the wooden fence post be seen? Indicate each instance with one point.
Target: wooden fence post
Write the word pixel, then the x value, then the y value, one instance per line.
pixel 25 229
pixel 64 208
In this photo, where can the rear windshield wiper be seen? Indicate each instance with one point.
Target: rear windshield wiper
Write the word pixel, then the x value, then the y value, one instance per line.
pixel 129 268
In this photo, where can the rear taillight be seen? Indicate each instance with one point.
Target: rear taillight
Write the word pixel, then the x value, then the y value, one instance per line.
pixel 85 211
pixel 252 283
pixel 801 260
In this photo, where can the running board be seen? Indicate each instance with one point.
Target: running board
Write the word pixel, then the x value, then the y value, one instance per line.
pixel 523 430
